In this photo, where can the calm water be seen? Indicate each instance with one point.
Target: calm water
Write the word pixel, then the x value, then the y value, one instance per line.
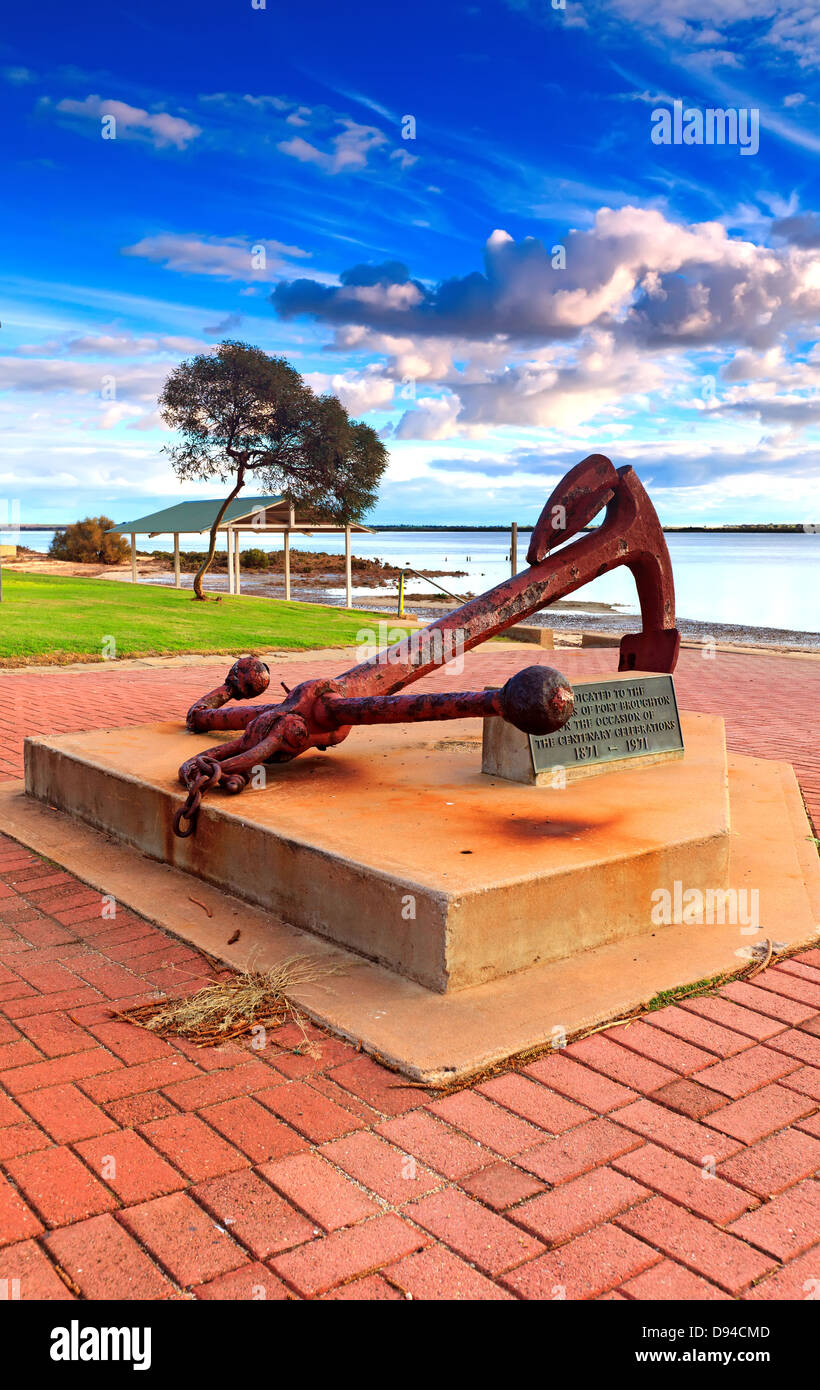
pixel 770 581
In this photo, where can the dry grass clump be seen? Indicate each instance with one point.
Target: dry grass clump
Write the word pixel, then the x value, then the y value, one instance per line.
pixel 228 1009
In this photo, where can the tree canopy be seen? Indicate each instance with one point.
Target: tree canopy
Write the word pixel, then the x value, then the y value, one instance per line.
pixel 242 412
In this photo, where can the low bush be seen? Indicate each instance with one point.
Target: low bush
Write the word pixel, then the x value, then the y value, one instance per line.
pixel 89 542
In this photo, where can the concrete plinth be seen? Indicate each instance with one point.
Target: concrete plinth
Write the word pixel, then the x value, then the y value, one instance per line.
pixel 396 846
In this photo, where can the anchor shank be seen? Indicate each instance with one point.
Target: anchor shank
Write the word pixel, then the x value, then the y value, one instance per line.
pixel 623 539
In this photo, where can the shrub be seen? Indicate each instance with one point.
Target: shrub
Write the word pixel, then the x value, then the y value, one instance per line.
pixel 190 560
pixel 89 542
pixel 254 558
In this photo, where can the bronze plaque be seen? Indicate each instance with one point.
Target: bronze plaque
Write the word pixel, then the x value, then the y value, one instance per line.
pixel 613 720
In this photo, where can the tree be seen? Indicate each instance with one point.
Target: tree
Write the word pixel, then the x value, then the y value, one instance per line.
pixel 243 413
pixel 90 542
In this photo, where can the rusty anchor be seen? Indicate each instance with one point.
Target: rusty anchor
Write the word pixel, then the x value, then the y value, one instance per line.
pixel 320 713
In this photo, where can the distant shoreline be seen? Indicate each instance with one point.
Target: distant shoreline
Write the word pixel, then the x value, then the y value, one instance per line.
pixel 774 528
pixel 788 528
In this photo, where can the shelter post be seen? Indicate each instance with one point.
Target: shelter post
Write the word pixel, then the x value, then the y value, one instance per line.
pixel 286 552
pixel 348 571
pixel 176 560
pixel 133 558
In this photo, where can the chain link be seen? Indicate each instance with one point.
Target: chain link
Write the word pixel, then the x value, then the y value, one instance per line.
pixel 208 774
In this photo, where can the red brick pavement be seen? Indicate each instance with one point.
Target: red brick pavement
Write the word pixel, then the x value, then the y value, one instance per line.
pixel 673 1159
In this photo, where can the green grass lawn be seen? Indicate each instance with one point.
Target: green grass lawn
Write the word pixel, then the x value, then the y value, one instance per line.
pixel 45 618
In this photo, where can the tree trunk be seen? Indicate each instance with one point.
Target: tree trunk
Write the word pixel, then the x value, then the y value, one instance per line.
pixel 206 563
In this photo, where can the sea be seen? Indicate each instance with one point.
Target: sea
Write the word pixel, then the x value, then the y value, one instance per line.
pixel 765 580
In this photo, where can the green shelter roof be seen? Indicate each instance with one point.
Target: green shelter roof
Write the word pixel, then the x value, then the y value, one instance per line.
pixel 193 517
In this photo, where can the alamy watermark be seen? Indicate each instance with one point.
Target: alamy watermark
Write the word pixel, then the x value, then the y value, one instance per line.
pixel 426 647
pixel 712 907
pixel 715 126
pixel 76 1343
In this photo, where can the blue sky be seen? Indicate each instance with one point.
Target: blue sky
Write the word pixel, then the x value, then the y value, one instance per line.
pixel 466 232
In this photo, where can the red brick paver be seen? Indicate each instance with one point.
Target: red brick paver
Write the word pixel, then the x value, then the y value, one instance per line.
pixel 249 1208
pixel 489 1241
pixel 672 1159
pixel 318 1189
pixel 346 1254
pixel 104 1261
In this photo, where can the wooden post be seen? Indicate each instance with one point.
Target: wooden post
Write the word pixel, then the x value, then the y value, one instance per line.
pixel 514 549
pixel 133 558
pixel 286 544
pixel 348 571
pixel 229 543
pixel 236 558
pixel 176 560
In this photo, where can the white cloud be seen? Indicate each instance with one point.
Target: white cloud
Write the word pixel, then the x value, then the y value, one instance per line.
pixel 608 338
pixel 49 375
pixel 772 388
pixel 18 77
pixel 114 415
pixel 231 258
pixel 790 26
pixel 432 418
pixel 113 345
pixel 564 391
pixel 349 149
pixel 708 58
pixel 359 392
pixel 635 271
pixel 646 97
pixel 159 127
pixel 229 100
